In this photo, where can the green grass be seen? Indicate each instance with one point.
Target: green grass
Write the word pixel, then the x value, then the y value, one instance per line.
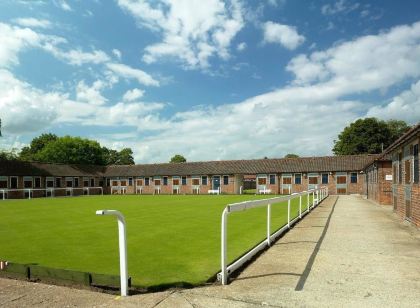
pixel 170 239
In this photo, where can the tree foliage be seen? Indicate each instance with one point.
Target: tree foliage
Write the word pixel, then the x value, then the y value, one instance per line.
pixel 8 155
pixel 368 136
pixel 178 159
pixel 73 150
pixel 291 155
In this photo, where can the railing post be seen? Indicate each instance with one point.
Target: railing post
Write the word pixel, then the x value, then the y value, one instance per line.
pixel 300 206
pixel 224 247
pixel 313 198
pixel 122 243
pixel 307 202
pixel 268 224
pixel 4 194
pixel 317 196
pixel 288 213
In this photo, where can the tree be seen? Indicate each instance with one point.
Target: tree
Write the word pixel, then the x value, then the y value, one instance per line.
pixel 291 155
pixel 397 128
pixel 178 159
pixel 368 136
pixel 72 150
pixel 36 145
pixel 8 155
pixel 113 157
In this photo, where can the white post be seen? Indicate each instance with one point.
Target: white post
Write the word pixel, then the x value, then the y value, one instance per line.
pixel 268 224
pixel 307 202
pixel 313 198
pixel 288 213
pixel 317 196
pixel 224 247
pixel 300 206
pixel 122 247
pixel 29 193
pixel 4 194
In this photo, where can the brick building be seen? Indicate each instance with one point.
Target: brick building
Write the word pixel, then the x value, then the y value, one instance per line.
pixel 379 180
pixel 342 175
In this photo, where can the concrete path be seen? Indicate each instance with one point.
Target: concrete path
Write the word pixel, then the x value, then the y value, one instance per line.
pixel 347 252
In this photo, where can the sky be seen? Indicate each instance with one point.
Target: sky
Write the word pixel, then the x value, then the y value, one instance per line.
pixel 208 79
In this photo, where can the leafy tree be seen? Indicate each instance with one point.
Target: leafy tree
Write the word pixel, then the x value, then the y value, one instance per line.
pixel 291 155
pixel 37 144
pixel 178 159
pixel 8 155
pixel 113 157
pixel 397 128
pixel 72 150
pixel 368 136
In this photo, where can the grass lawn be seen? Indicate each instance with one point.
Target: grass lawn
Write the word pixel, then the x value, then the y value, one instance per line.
pixel 170 238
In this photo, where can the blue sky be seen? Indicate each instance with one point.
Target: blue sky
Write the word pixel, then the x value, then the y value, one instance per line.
pixel 207 79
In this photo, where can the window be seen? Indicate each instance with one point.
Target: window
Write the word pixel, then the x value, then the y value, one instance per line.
pixel 27 182
pixel 3 181
pixel 13 182
pixel 113 183
pixel 130 181
pixel 92 182
pixel 146 181
pixel 287 180
pixel 57 182
pixel 195 181
pixel 184 180
pixel 416 163
pixel 37 183
pixel 399 168
pixel 341 179
pixel 157 182
pixel 298 178
pixel 139 182
pixel 262 181
pixel 225 180
pixel 204 180
pixel 407 167
pixel 324 179
pixel 175 181
pixel 165 180
pixel 272 179
pixel 86 182
pixel 108 182
pixel 353 177
pixel 76 182
pixel 69 182
pixel 313 179
pixel 49 182
pixel 101 183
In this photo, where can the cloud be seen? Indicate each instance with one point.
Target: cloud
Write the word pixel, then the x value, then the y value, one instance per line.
pixel 128 72
pixel 340 6
pixel 33 22
pixel 363 64
pixel 92 94
pixel 117 53
pixel 62 4
pixel 191 32
pixel 241 46
pixel 13 41
pixel 404 106
pixel 284 35
pixel 132 95
pixel 76 56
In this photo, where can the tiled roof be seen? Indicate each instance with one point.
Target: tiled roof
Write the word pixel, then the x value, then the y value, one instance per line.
pixel 277 165
pixel 21 168
pixel 412 132
pixel 255 166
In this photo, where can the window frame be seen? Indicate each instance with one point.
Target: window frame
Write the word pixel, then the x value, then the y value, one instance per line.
pixel 225 183
pixel 322 178
pixel 146 181
pixel 49 179
pixel 352 178
pixel 300 178
pixel 204 180
pixel 165 181
pixel 58 182
pixel 17 182
pixel 270 177
pixel 183 180
pixel 5 179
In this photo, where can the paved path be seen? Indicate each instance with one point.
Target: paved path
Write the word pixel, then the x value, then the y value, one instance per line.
pixel 347 252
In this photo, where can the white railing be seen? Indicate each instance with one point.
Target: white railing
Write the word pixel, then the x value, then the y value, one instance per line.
pixel 317 196
pixel 120 189
pixel 52 190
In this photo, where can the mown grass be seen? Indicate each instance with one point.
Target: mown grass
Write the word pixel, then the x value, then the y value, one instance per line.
pixel 171 239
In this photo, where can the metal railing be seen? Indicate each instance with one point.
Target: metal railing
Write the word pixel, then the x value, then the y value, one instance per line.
pixel 51 190
pixel 317 195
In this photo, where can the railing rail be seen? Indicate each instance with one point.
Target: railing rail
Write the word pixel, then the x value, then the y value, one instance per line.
pixel 317 194
pixel 30 191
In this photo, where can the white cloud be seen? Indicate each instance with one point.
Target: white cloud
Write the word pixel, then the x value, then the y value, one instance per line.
pixel 117 53
pixel 191 31
pixel 366 63
pixel 62 4
pixel 128 72
pixel 33 22
pixel 241 46
pixel 13 41
pixel 132 95
pixel 284 35
pixel 276 3
pixel 91 94
pixel 340 6
pixel 405 106
pixel 76 56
